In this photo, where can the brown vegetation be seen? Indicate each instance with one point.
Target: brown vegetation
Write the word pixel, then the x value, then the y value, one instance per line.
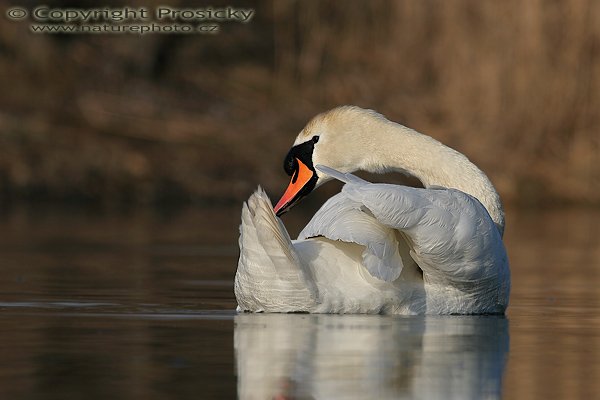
pixel 514 85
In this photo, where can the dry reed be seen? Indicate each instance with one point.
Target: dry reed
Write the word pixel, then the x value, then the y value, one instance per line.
pixel 514 85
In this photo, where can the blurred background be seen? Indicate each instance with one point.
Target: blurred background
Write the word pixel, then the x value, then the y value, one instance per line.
pixel 124 160
pixel 205 118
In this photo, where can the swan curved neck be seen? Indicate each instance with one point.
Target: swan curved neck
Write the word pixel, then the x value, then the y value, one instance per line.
pixel 397 148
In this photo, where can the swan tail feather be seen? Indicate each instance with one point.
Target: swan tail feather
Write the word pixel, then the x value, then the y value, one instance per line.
pixel 270 276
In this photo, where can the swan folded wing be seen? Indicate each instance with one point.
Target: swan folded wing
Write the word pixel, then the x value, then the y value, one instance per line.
pixel 343 219
pixel 451 232
pixel 398 207
pixel 430 217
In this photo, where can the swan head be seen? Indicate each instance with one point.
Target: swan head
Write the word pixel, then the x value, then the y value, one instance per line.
pixel 350 138
pixel 335 139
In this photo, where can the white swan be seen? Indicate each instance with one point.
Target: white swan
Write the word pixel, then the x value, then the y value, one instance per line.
pixel 376 248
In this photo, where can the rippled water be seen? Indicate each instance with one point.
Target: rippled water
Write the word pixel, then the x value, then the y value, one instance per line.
pixel 121 305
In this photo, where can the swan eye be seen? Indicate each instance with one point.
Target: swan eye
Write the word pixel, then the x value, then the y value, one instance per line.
pixel 315 139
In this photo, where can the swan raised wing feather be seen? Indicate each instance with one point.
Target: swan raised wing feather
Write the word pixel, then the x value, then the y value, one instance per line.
pixel 343 219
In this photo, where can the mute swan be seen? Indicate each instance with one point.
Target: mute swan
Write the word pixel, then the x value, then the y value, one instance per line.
pixel 376 248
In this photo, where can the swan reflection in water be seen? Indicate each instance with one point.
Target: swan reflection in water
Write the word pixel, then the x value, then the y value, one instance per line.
pixel 301 356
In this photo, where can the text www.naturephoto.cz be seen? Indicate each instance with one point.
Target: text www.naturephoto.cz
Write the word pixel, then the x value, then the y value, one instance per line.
pixel 134 29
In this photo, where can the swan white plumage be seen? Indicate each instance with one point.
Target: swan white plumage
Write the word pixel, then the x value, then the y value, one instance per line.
pixel 376 248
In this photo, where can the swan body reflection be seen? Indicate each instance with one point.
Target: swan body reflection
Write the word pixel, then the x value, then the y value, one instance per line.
pixel 297 356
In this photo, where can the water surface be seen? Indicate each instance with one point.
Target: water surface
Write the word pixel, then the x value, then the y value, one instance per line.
pixel 140 305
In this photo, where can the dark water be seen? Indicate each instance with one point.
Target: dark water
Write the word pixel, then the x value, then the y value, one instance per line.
pixel 140 306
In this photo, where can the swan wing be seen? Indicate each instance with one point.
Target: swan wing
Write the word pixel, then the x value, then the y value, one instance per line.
pixel 346 220
pixel 451 234
pixel 340 176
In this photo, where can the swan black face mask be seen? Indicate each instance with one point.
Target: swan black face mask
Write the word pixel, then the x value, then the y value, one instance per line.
pixel 298 164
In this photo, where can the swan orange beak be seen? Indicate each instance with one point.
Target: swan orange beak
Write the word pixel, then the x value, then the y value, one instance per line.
pixel 303 182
